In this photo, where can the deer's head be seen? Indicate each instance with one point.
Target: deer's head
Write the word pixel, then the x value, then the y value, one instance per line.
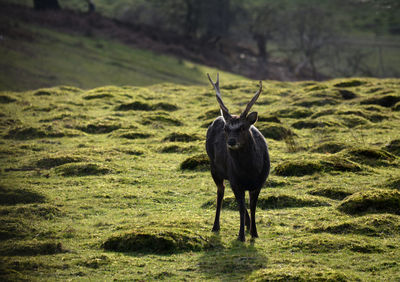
pixel 237 128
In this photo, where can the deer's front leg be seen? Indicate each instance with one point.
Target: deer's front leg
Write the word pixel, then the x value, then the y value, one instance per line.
pixel 220 197
pixel 239 195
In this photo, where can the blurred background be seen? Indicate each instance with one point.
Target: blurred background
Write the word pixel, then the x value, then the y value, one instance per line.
pixel 90 43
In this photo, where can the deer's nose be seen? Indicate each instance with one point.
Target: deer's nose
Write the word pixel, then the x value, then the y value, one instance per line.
pixel 231 142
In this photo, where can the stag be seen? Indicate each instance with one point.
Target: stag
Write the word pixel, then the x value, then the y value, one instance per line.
pixel 238 153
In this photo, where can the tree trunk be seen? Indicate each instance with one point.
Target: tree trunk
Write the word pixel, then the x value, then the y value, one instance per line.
pixel 46 4
pixel 261 46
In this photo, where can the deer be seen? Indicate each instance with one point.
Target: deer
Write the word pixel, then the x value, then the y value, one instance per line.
pixel 238 153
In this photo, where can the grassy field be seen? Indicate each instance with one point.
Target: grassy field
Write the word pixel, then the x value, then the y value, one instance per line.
pixel 112 184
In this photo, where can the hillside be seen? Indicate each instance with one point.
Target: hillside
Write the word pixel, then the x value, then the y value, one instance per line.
pixel 44 50
pixel 112 183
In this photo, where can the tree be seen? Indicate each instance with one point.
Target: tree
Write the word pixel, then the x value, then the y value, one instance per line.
pixel 46 4
pixel 264 23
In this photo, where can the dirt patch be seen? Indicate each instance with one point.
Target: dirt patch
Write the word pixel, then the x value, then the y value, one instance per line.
pixel 82 169
pixel 197 162
pixel 158 241
pixel 369 225
pixel 11 196
pixel 372 201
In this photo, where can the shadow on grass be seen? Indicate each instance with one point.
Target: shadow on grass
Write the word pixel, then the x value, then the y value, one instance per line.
pixel 233 262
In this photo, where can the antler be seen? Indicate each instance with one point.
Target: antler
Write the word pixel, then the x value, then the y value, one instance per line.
pixel 219 98
pixel 251 103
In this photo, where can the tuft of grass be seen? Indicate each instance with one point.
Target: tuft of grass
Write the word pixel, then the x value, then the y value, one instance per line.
pixel 28 133
pixel 99 127
pixel 369 225
pixel 299 273
pixel 158 241
pixel 388 100
pixel 82 169
pixel 181 137
pixel 301 124
pixel 393 147
pixel 142 106
pixel 32 248
pixel 335 193
pixel 372 201
pixel 53 161
pixel 160 118
pixel 331 147
pixel 350 83
pixel 326 243
pixel 298 168
pixel 393 183
pixel 294 112
pixel 347 94
pixel 12 196
pixel 197 162
pixel 274 131
pixel 369 156
pixel 5 99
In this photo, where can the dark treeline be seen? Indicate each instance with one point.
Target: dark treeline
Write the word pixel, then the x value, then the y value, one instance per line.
pixel 311 38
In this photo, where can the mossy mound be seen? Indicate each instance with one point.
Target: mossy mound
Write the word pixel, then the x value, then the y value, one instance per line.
pixel 160 118
pixel 372 201
pixel 396 107
pixel 28 133
pixel 316 102
pixel 270 202
pixel 12 228
pixel 347 94
pixel 50 162
pixel 393 183
pixel 300 273
pixel 99 127
pixel 388 100
pixel 294 112
pixel 181 137
pixel 323 113
pixel 268 118
pixel 32 248
pixel 274 131
pixel 4 99
pixel 309 167
pixel 350 83
pixel 301 124
pixel 142 106
pixel 331 147
pixel 369 156
pixel 393 147
pixel 326 243
pixel 158 241
pixel 98 96
pixel 34 210
pixel 334 193
pixel 82 169
pixel 177 149
pixel 197 162
pixel 10 196
pixel 369 225
pixel 131 135
pixel 210 114
pixel 298 168
pixel 352 120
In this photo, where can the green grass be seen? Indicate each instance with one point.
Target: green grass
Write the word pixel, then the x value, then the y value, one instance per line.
pixel 111 184
pixel 44 58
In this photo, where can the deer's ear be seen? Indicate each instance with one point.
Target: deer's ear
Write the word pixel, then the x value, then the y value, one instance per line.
pixel 252 117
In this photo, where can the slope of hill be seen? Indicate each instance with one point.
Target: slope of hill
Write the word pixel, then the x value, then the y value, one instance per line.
pixel 112 184
pixel 38 55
